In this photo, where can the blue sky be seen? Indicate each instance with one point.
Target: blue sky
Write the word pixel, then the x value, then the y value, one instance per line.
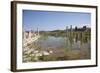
pixel 52 20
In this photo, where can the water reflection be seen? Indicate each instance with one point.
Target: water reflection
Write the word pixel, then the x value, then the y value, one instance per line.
pixel 53 48
pixel 62 42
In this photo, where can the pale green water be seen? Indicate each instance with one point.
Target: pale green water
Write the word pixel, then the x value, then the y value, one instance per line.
pixel 61 42
pixel 78 49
